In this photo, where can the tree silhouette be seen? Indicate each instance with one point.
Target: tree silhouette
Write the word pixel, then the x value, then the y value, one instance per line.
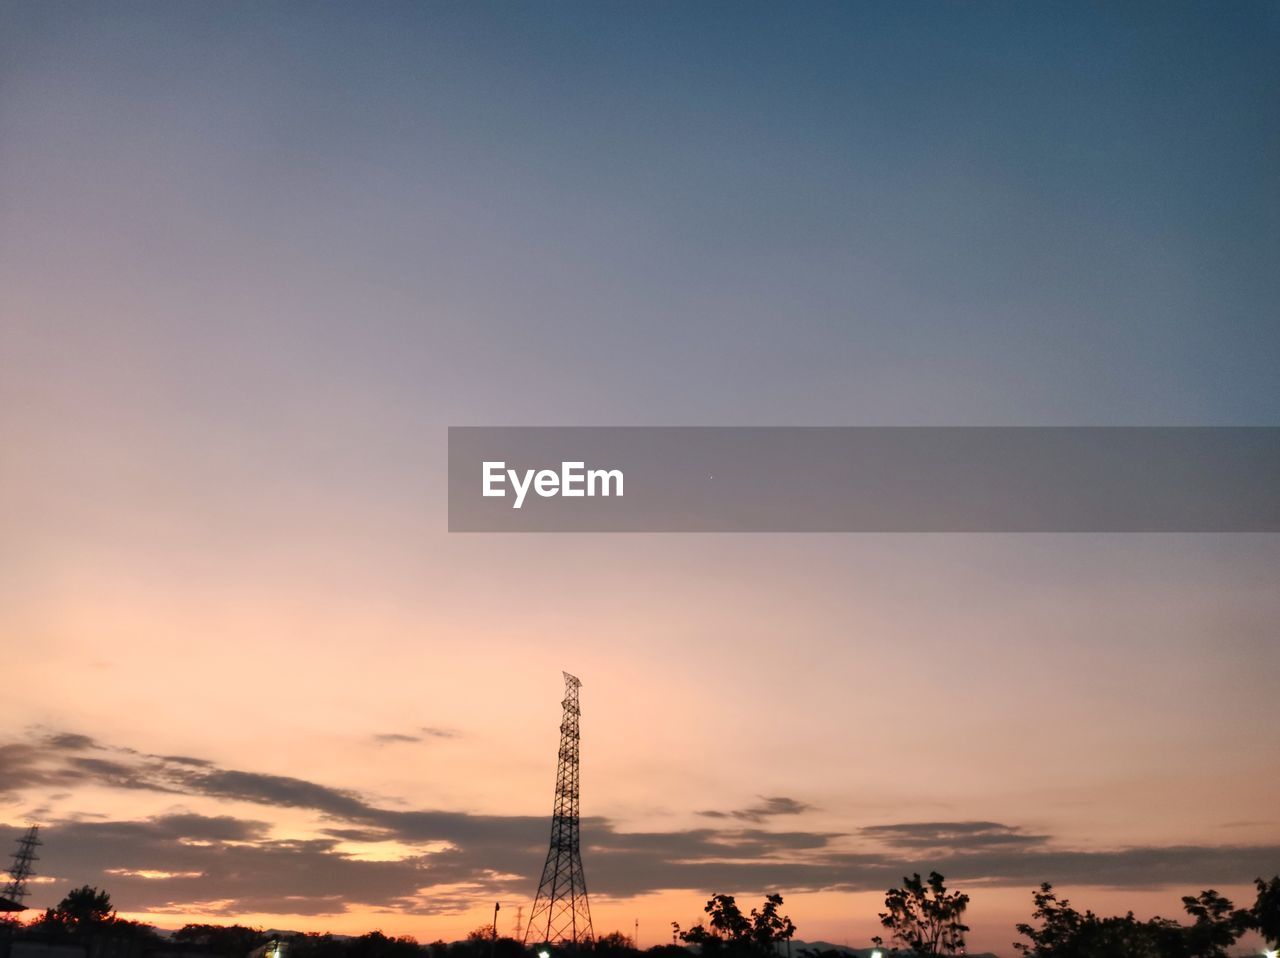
pixel 375 944
pixel 81 910
pixel 1264 917
pixel 925 917
pixel 1064 932
pixel 733 931
pixel 231 940
pixel 1218 924
pixel 614 943
pixel 1059 925
pixel 768 926
pixel 727 920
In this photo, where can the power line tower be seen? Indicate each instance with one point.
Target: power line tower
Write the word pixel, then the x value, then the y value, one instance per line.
pixel 561 913
pixel 21 869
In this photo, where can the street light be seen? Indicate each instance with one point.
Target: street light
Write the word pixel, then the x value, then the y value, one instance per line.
pixel 877 954
pixel 544 954
pixel 1271 954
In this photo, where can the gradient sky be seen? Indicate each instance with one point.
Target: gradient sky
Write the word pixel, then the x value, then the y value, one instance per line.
pixel 255 258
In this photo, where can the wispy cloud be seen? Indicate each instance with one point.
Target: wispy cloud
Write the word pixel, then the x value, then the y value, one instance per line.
pixel 426 733
pixel 767 807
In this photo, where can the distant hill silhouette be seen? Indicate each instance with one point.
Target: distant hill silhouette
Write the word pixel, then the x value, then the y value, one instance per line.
pixel 798 946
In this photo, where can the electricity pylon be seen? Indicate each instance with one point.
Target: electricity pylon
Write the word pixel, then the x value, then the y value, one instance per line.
pixel 561 913
pixel 24 857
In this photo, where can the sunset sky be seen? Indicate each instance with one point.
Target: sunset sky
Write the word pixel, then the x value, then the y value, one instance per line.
pixel 256 258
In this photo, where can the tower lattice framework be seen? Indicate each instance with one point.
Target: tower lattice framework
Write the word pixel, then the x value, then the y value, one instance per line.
pixel 23 867
pixel 561 913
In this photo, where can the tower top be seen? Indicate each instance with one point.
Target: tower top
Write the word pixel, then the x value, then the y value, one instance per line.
pixel 572 680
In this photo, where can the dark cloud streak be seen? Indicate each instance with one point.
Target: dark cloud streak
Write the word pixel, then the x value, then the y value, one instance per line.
pixel 953 835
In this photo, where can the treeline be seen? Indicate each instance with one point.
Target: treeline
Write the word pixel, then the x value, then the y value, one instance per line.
pixel 922 918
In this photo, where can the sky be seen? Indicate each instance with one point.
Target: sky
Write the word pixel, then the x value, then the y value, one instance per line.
pixel 256 258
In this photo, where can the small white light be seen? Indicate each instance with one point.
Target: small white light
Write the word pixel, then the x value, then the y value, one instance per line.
pixel 1272 953
pixel 547 954
pixel 877 954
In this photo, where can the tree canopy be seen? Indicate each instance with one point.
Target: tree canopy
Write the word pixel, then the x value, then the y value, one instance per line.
pixel 1063 932
pixel 87 910
pixel 1264 918
pixel 733 931
pixel 924 917
pixel 80 910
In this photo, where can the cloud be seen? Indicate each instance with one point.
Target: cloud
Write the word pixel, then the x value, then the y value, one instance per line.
pixel 363 835
pixel 70 741
pixel 237 867
pixel 421 735
pixel 954 836
pixel 23 766
pixel 228 865
pixel 280 790
pixel 767 807
pixel 213 828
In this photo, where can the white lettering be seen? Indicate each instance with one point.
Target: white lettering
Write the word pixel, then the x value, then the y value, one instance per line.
pixel 493 473
pixel 522 488
pixel 604 475
pixel 571 472
pixel 573 479
pixel 547 483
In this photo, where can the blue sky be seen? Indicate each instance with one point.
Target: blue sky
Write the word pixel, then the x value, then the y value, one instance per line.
pixel 675 213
